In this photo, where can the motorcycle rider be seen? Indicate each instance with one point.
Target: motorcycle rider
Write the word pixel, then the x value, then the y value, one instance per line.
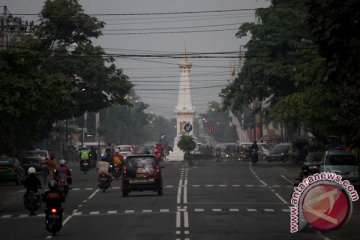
pixel 159 151
pixel 103 167
pixel 84 156
pixel 63 171
pixel 117 158
pixel 51 165
pixel 93 156
pixel 254 151
pixel 32 183
pixel 53 198
pixel 106 156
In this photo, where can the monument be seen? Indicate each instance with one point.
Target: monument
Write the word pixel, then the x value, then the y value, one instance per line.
pixel 184 109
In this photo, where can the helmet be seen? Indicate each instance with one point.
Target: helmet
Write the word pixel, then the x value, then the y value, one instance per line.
pixel 62 162
pixel 53 184
pixel 117 150
pixel 31 170
pixel 52 155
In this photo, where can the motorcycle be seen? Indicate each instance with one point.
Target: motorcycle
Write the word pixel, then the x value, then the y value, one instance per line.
pixel 158 156
pixel 253 156
pixel 115 170
pixel 53 222
pixel 63 186
pixel 84 166
pixel 104 181
pixel 32 202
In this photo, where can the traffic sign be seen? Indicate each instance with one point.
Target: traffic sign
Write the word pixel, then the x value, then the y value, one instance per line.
pixel 210 129
pixel 188 127
pixel 162 136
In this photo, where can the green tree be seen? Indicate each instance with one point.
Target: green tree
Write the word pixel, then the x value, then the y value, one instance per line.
pixel 55 74
pixel 187 144
pixel 335 27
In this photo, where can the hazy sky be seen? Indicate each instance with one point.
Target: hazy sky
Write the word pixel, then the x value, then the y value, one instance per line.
pixel 156 79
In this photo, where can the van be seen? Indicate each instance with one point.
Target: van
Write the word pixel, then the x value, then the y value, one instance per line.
pixel 342 163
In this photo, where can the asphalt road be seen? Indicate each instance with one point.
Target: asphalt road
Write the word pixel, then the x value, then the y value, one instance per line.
pixel 209 200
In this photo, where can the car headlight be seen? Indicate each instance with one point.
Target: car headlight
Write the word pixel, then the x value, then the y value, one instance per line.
pixel 281 154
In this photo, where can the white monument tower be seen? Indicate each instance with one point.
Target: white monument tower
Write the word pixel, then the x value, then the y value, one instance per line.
pixel 184 109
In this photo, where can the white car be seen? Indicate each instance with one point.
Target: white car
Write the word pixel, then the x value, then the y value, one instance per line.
pixel 126 150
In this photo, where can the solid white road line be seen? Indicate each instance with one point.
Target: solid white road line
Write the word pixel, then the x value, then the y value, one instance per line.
pixel 288 180
pixel 186 220
pixel 282 199
pixel 93 194
pixel 178 219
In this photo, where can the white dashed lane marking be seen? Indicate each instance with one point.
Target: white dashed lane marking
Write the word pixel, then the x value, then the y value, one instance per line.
pixel 165 210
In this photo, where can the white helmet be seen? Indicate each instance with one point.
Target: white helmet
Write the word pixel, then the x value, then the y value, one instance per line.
pixel 62 162
pixel 117 150
pixel 31 170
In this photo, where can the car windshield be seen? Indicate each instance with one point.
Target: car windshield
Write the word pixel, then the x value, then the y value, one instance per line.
pixel 341 159
pixel 314 157
pixel 140 162
pixel 265 146
pixel 36 154
pixel 280 148
pixel 232 148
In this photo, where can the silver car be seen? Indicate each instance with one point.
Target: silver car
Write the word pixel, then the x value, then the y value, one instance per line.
pixel 343 164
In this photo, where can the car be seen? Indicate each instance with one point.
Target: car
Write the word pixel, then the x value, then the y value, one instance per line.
pixel 342 163
pixel 141 173
pixel 244 151
pixel 126 150
pixel 11 170
pixel 36 162
pixel 227 151
pixel 263 151
pixel 281 152
pixel 312 162
pixel 36 158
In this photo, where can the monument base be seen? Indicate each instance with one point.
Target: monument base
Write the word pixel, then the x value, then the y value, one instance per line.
pixel 176 154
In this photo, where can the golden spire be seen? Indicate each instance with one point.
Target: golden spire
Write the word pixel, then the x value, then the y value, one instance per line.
pixel 184 64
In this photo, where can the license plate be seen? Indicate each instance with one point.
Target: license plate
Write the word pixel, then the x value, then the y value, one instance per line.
pixel 85 163
pixel 103 179
pixel 54 216
pixel 149 180
pixel 140 175
pixel 313 167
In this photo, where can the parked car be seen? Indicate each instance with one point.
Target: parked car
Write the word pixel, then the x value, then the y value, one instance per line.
pixel 35 158
pixel 141 173
pixel 264 150
pixel 11 170
pixel 342 163
pixel 281 152
pixel 312 162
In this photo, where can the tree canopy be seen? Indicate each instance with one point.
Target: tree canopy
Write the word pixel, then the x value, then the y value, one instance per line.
pixel 298 64
pixel 55 73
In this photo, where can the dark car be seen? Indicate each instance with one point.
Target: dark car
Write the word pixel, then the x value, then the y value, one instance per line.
pixel 36 158
pixel 36 162
pixel 141 173
pixel 312 161
pixel 281 152
pixel 11 170
pixel 227 151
